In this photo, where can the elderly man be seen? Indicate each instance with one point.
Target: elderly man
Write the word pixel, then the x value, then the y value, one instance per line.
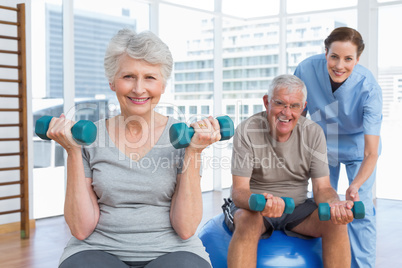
pixel 275 153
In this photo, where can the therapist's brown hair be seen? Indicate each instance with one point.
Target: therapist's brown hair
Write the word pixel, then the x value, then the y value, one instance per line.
pixel 345 34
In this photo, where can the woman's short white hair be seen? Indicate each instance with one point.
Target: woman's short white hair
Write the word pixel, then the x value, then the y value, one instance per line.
pixel 291 82
pixel 142 46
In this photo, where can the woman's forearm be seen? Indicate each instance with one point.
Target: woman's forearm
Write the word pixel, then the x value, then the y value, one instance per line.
pixel 371 143
pixel 366 169
pixel 186 209
pixel 81 210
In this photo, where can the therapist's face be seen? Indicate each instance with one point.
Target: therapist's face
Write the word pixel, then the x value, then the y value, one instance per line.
pixel 341 59
pixel 283 112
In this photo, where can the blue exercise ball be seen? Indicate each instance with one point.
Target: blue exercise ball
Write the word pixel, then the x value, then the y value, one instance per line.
pixel 279 250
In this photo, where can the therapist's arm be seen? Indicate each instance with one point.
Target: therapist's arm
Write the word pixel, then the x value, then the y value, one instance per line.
pixel 371 143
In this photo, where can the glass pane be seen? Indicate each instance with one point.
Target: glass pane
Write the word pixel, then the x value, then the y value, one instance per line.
pixel 296 6
pixel 250 58
pixel 47 100
pixel 306 34
pixel 190 91
pixel 250 62
pixel 251 8
pixel 390 80
pixel 201 4
pixel 94 24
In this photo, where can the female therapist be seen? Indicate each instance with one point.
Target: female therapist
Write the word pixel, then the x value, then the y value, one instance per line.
pixel 346 101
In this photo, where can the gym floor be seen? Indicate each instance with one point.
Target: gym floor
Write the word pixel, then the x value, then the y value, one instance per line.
pixel 47 241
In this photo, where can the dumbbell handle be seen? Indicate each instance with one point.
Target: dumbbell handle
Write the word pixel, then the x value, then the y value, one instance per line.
pixel 257 202
pixel 84 131
pixel 324 211
pixel 180 134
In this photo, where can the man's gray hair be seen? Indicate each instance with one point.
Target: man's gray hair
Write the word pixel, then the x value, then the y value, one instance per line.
pixel 143 46
pixel 291 82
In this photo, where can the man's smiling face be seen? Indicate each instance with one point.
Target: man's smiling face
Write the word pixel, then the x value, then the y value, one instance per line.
pixel 283 111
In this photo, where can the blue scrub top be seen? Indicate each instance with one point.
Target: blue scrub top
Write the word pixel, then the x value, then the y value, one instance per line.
pixel 353 110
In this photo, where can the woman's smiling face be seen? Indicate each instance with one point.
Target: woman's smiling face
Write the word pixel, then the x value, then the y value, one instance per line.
pixel 341 59
pixel 138 86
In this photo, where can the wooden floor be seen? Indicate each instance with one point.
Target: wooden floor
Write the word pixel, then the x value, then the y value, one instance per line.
pixel 47 241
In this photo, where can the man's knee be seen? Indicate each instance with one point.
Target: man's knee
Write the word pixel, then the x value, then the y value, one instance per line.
pixel 314 227
pixel 330 229
pixel 248 222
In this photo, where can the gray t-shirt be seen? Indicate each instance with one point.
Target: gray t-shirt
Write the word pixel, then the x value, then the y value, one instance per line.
pixel 280 168
pixel 134 200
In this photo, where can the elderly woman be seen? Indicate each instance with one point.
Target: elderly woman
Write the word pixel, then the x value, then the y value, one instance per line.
pixel 346 101
pixel 132 200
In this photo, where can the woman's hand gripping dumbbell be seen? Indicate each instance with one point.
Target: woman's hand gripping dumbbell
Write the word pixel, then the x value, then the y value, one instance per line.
pixel 180 134
pixel 257 202
pixel 83 132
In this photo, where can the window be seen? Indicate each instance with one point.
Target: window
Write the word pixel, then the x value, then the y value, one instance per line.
pixel 303 38
pixel 193 109
pixel 182 109
pixel 169 110
pixel 205 110
pixel 230 109
pixel 257 108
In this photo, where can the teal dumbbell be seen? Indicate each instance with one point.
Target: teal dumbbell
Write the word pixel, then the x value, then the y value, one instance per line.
pixel 324 211
pixel 257 202
pixel 180 134
pixel 84 131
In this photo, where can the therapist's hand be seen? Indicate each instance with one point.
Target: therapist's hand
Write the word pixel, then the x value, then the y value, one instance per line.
pixel 352 193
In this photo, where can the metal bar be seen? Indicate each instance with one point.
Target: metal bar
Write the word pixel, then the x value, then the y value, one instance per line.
pixel 10 125
pixel 9 37
pixel 9 154
pixel 9 22
pixel 9 8
pixel 10 168
pixel 9 96
pixel 9 80
pixel 10 110
pixel 10 211
pixel 11 197
pixel 10 66
pixel 10 183
pixel 11 139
